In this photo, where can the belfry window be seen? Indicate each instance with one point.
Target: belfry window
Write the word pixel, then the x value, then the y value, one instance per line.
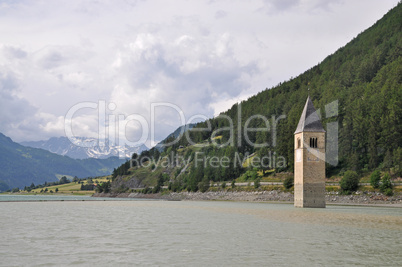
pixel 313 142
pixel 298 143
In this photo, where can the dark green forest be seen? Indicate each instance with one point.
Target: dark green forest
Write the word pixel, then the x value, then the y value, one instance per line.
pixel 364 77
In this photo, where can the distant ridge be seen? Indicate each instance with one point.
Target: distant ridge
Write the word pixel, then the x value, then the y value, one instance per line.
pixel 20 166
pixel 86 148
pixel 160 146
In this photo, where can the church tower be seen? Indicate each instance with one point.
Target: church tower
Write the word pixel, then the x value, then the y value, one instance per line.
pixel 309 168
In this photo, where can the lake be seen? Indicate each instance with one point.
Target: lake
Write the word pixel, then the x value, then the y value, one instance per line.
pixel 190 233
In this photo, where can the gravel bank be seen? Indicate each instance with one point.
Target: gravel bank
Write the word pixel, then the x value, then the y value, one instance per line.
pixel 359 198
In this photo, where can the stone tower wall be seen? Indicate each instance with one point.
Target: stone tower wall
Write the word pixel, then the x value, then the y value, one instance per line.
pixel 310 171
pixel 298 170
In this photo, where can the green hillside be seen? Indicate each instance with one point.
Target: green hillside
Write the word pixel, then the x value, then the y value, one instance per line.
pixel 364 77
pixel 20 166
pixel 357 89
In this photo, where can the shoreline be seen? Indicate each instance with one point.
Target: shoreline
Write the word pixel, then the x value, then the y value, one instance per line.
pixel 359 198
pixel 274 196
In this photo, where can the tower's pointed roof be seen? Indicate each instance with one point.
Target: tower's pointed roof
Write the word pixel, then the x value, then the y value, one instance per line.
pixel 309 120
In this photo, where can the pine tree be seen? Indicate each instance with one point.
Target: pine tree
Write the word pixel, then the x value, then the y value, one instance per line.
pixel 387 163
pixel 375 179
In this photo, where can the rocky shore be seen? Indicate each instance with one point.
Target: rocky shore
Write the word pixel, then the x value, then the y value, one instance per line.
pixel 358 198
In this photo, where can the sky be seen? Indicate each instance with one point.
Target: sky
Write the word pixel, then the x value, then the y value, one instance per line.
pixel 140 69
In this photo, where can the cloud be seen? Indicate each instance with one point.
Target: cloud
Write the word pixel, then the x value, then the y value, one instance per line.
pixel 37 88
pixel 276 7
pixel 15 111
pixel 272 7
pixel 325 5
pixel 13 53
pixel 8 82
pixel 220 14
pixel 199 58
pixel 188 71
pixel 282 5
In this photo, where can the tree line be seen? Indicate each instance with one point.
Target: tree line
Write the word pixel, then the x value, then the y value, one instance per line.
pixel 364 77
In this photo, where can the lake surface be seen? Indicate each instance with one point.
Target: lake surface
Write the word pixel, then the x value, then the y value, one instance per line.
pixel 56 197
pixel 187 233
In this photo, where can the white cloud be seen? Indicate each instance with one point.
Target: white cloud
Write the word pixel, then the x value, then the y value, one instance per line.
pixel 201 57
pixel 189 71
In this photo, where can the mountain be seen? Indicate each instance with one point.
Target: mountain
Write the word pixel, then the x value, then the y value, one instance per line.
pixel 83 148
pixel 358 92
pixel 173 136
pixel 20 166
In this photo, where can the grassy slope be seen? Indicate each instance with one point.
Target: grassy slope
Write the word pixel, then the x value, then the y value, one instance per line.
pixel 70 188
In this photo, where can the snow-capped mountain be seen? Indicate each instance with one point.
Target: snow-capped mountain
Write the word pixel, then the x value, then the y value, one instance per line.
pixel 84 147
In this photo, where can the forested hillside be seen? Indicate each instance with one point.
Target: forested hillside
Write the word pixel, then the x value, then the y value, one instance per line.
pixel 20 166
pixel 364 77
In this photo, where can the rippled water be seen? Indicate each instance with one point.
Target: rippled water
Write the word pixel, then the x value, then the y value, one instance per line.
pixel 56 197
pixel 126 233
